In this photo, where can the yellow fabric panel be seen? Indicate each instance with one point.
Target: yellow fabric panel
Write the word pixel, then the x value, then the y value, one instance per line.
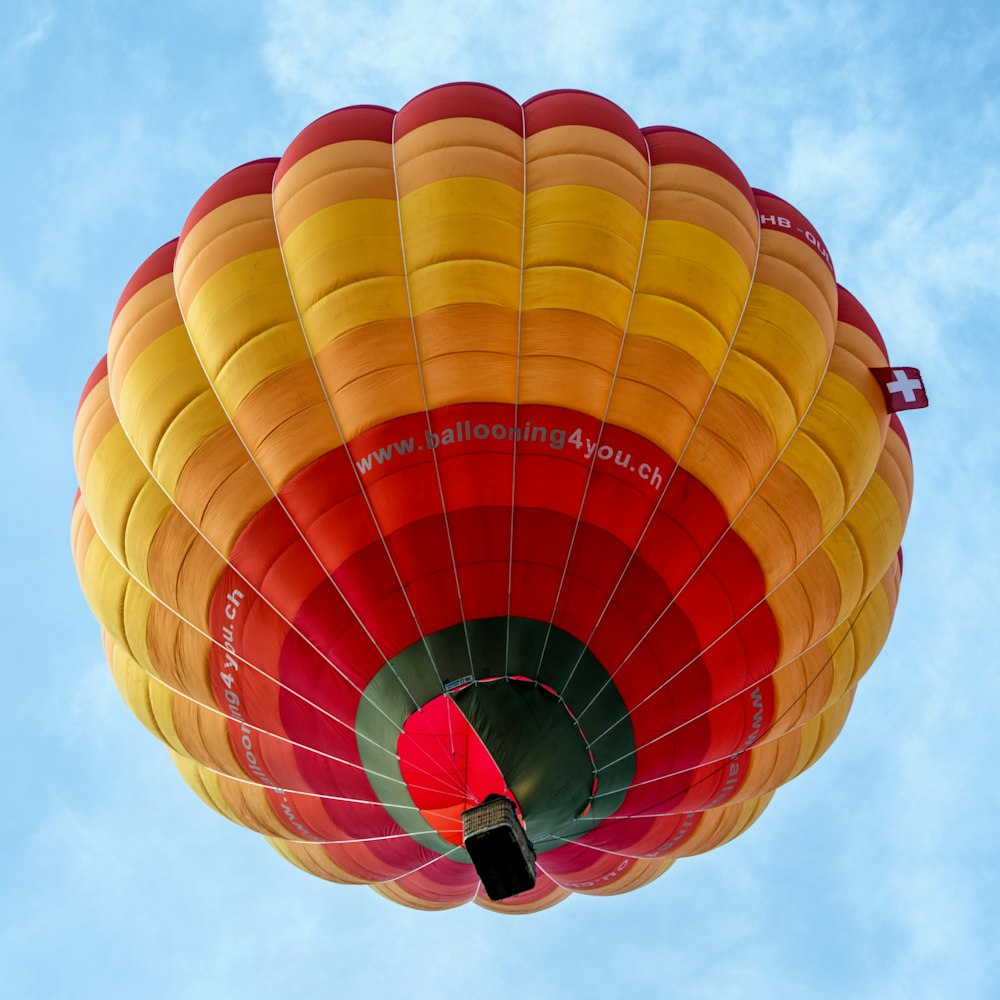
pixel 782 335
pixel 673 211
pixel 113 481
pixel 462 218
pixel 843 425
pixel 571 226
pixel 694 267
pixel 583 155
pixel 793 278
pixel 220 488
pixel 720 825
pixel 161 381
pixel 813 466
pixel 764 394
pixel 145 517
pixel 237 228
pixel 243 323
pixel 150 313
pixel 133 685
pixel 345 266
pixel 807 604
pixel 877 526
pixel 455 282
pixel 168 408
pixel 201 419
pixel 397 894
pixel 730 450
pixel 171 414
pixel 566 288
pixel 95 421
pixel 802 259
pixel 202 783
pixel 555 895
pixel 245 299
pixel 640 872
pixel 314 860
pixel 830 722
pixel 345 171
pixel 782 523
pixel 683 187
pixel 860 345
pixel 179 654
pixel 118 602
pixel 895 468
pixel 655 377
pixel 680 327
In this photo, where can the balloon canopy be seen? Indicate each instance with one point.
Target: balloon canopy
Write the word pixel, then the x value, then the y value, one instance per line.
pixel 482 449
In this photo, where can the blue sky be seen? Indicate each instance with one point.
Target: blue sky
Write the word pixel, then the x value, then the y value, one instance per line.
pixel 873 875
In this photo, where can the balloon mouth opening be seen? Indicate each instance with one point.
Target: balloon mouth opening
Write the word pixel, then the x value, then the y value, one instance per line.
pixel 532 716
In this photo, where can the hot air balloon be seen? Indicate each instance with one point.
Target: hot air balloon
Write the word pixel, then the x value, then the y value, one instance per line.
pixel 491 458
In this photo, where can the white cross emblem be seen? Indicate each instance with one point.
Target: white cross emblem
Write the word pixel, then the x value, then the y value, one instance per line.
pixel 905 385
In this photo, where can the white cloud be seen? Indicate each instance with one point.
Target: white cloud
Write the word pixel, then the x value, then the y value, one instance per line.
pixel 37 33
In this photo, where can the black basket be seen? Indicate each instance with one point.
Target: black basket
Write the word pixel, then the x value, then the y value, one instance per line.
pixel 503 856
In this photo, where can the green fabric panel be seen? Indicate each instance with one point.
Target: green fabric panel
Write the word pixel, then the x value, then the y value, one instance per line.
pixel 531 733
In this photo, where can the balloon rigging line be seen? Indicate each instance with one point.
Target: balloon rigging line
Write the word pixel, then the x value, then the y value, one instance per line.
pixel 726 531
pixel 421 867
pixel 746 751
pixel 517 384
pixel 423 392
pixel 361 486
pixel 279 737
pixel 680 458
pixel 238 656
pixel 773 590
pixel 293 523
pixel 607 409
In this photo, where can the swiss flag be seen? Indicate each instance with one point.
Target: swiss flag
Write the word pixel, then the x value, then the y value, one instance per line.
pixel 903 388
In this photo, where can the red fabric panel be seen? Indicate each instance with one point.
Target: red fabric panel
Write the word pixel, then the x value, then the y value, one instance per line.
pixel 776 213
pixel 579 107
pixel 677 145
pixel 362 121
pixel 156 265
pixel 459 100
pixel 98 375
pixel 850 310
pixel 247 179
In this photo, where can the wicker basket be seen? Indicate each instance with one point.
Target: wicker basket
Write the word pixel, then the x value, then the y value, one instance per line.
pixel 503 856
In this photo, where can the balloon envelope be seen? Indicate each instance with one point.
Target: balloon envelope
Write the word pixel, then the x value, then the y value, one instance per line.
pixel 486 448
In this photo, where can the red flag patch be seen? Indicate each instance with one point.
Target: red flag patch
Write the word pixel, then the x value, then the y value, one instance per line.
pixel 903 388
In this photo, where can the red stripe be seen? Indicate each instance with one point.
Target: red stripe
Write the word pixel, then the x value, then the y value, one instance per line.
pixel 580 107
pixel 98 375
pixel 247 179
pixel 676 145
pixel 897 425
pixel 363 121
pixel 156 265
pixel 459 100
pixel 850 310
pixel 779 215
